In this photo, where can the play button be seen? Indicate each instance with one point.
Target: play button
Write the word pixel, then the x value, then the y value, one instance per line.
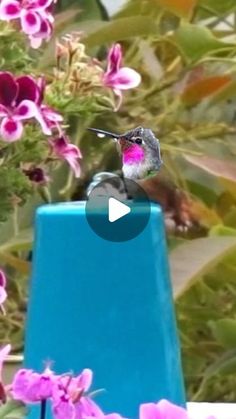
pixel 117 209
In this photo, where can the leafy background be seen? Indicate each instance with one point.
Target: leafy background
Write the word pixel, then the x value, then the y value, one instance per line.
pixel 186 53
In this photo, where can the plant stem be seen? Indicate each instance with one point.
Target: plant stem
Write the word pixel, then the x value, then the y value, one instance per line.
pixel 43 409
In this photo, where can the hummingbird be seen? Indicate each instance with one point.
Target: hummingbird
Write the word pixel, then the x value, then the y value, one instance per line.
pixel 141 157
pixel 140 150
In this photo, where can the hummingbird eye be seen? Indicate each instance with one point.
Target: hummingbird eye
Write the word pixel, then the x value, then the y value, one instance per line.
pixel 138 141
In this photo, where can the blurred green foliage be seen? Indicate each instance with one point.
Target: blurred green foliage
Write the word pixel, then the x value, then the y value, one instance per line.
pixel 186 53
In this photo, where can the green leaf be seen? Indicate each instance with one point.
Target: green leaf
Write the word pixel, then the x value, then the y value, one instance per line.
pixel 13 410
pixel 224 331
pixel 222 230
pixel 218 7
pixel 120 29
pixel 195 42
pixel 90 9
pixel 191 260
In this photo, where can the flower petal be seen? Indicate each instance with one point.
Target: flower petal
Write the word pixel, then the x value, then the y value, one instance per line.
pixel 69 152
pixel 28 89
pixel 28 109
pixel 11 130
pixel 114 59
pixel 43 4
pixel 3 279
pixel 87 408
pixel 3 295
pixel 30 22
pixel 25 110
pixel 63 408
pixel 3 111
pixel 149 411
pixel 8 88
pixel 9 9
pixel 44 32
pixel 4 352
pixel 50 114
pixel 20 384
pixel 126 78
pixel 171 411
pixel 85 379
pixel 74 164
pixel 35 43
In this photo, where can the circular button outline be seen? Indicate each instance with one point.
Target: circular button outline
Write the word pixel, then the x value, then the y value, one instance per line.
pixel 129 193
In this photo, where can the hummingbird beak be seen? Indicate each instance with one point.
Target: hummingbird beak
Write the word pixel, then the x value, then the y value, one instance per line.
pixel 101 133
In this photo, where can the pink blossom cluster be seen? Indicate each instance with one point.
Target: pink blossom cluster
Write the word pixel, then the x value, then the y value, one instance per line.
pixel 66 393
pixel 69 396
pixel 34 16
pixel 21 102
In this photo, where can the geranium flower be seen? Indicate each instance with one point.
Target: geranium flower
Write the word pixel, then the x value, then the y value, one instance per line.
pixel 69 400
pixel 34 15
pixel 47 117
pixel 21 98
pixel 67 151
pixel 162 410
pixel 119 78
pixel 31 387
pixel 17 103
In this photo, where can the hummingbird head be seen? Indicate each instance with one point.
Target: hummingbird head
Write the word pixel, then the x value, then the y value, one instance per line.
pixel 140 151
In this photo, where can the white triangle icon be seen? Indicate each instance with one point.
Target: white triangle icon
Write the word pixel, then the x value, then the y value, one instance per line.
pixel 116 210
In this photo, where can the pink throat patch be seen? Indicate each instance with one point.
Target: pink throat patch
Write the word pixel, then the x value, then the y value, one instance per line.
pixel 133 154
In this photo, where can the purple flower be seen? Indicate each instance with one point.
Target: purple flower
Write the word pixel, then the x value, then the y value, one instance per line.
pixel 31 387
pixel 119 78
pixel 17 103
pixel 162 410
pixel 69 400
pixel 36 175
pixel 34 15
pixel 66 151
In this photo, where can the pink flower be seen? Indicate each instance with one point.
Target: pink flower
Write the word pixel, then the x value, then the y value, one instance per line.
pixel 4 352
pixel 34 15
pixel 17 97
pixel 162 410
pixel 119 78
pixel 21 98
pixel 31 387
pixel 66 151
pixel 47 117
pixel 69 400
pixel 3 294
